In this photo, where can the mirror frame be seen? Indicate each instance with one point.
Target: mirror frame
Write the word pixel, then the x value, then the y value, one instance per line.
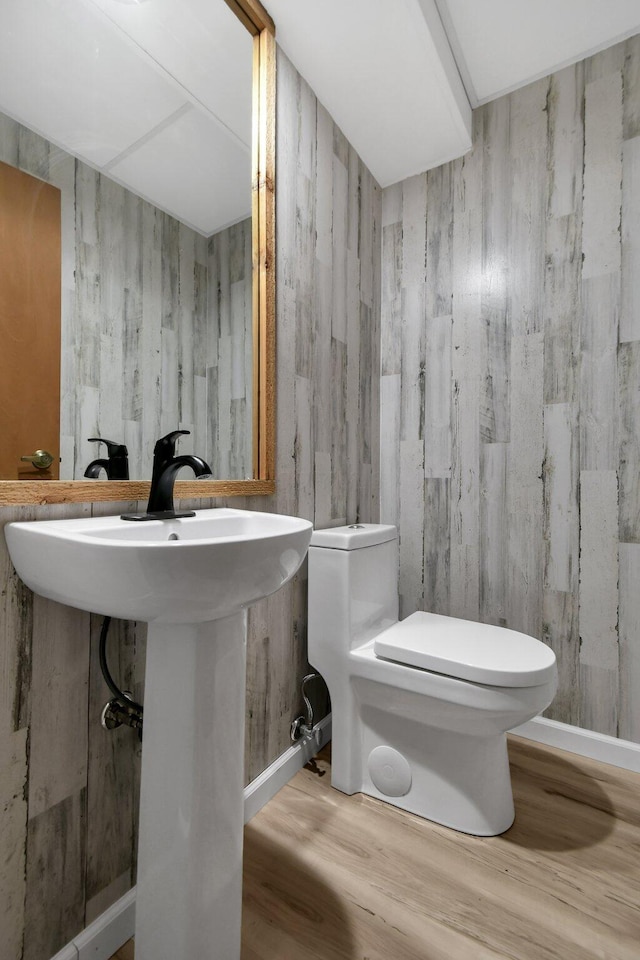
pixel 33 492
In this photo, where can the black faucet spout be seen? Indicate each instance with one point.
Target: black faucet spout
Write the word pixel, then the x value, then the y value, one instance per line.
pixel 94 468
pixel 161 495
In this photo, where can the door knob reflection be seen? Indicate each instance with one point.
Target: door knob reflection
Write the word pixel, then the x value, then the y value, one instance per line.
pixel 41 459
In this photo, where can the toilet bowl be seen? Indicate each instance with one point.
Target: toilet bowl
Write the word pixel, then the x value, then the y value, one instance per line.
pixel 420 707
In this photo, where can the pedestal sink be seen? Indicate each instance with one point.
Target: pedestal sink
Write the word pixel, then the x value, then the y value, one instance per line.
pixel 191 579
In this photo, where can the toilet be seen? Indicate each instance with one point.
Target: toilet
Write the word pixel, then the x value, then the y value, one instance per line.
pixel 420 707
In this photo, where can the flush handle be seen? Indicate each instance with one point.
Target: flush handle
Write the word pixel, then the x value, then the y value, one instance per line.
pixel 41 459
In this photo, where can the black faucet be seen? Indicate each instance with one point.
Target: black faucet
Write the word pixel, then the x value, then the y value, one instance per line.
pixel 117 465
pixel 165 468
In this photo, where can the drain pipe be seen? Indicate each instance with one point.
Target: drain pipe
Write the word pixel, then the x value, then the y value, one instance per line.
pixel 302 727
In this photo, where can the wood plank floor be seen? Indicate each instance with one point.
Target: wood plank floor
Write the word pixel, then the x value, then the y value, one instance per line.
pixel 331 877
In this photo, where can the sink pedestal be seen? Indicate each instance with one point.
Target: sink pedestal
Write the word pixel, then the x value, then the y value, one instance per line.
pixel 202 571
pixel 189 887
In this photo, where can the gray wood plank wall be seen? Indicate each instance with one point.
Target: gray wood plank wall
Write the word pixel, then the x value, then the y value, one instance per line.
pixel 328 353
pixel 156 321
pixel 68 789
pixel 510 420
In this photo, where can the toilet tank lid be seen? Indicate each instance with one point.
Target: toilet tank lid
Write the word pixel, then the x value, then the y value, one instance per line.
pixel 479 652
pixel 354 536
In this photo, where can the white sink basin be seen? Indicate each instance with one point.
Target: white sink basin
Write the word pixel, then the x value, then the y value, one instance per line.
pixel 189 570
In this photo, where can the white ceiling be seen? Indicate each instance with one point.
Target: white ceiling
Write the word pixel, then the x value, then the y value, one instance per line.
pixel 157 95
pixel 384 71
pixel 390 71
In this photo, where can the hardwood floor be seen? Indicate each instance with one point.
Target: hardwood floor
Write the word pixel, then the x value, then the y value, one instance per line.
pixel 331 877
pixel 125 953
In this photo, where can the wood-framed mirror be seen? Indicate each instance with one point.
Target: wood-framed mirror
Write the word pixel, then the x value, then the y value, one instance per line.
pixel 256 20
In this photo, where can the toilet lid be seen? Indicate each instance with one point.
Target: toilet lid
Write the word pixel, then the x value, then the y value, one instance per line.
pixel 478 652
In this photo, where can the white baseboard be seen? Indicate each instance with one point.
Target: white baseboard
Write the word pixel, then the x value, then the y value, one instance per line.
pixel 106 934
pixel 115 926
pixel 278 773
pixel 110 930
pixel 67 953
pixel 586 743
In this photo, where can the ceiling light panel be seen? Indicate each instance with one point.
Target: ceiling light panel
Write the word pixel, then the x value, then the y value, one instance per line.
pixel 502 44
pixel 192 170
pixel 202 45
pixel 67 74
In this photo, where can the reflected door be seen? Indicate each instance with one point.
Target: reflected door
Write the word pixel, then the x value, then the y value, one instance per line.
pixel 30 281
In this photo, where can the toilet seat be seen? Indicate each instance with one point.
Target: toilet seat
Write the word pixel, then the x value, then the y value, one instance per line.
pixel 478 652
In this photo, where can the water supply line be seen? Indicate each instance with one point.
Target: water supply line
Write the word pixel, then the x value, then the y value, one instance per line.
pixel 122 708
pixel 302 727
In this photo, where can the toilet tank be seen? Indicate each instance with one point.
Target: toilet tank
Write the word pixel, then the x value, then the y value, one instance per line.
pixel 353 587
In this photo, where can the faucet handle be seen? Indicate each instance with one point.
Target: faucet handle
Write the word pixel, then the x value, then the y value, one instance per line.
pixel 113 449
pixel 167 445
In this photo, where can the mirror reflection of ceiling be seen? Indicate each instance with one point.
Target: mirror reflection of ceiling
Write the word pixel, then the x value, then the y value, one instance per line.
pixel 133 87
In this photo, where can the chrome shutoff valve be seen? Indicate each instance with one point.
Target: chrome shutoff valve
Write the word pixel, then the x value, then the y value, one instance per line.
pixel 303 726
pixel 118 712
